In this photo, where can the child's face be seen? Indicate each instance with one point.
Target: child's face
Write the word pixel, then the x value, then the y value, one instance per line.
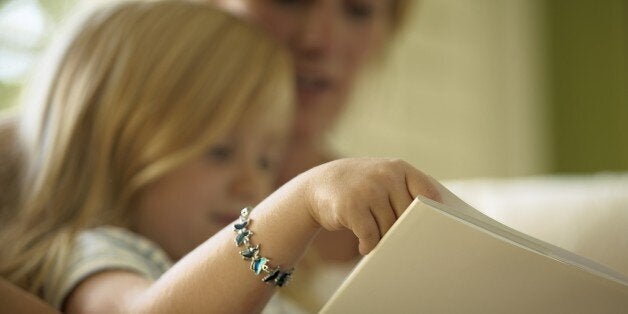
pixel 187 206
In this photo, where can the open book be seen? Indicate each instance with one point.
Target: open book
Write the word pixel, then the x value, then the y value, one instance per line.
pixel 439 259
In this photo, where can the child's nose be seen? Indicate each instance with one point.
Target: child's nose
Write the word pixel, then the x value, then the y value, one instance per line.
pixel 248 186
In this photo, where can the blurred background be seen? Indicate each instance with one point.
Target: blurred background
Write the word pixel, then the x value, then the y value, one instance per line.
pixel 482 88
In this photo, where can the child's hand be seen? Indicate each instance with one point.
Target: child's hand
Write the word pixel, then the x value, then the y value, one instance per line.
pixel 365 195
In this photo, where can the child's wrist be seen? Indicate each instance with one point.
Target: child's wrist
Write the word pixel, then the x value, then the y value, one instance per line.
pixel 298 195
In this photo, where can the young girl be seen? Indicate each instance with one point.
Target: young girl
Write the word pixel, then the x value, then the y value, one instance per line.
pixel 161 121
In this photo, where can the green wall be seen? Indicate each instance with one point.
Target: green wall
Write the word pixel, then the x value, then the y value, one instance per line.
pixel 588 69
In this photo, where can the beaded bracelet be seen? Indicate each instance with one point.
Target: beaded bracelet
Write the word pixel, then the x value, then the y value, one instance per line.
pixel 259 264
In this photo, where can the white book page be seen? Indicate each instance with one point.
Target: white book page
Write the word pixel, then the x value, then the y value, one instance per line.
pixel 473 216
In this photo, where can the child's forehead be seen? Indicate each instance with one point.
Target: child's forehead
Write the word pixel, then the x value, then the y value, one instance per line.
pixel 259 128
pixel 271 120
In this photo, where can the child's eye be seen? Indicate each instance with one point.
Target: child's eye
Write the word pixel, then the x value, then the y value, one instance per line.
pixel 220 152
pixel 266 163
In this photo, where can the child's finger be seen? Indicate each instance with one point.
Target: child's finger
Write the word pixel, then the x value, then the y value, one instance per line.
pixel 400 198
pixel 419 183
pixel 365 228
pixel 384 215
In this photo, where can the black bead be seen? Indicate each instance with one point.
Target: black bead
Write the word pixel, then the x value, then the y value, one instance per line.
pixel 272 276
pixel 240 225
pixel 282 279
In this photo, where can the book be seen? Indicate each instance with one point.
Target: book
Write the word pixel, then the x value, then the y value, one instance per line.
pixel 441 259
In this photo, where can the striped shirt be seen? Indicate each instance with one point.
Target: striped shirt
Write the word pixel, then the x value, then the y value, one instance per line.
pixel 107 248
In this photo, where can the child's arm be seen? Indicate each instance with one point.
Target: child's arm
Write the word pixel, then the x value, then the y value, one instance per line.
pixel 363 195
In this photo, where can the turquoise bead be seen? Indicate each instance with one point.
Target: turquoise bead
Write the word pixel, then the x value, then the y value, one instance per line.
pixel 258 264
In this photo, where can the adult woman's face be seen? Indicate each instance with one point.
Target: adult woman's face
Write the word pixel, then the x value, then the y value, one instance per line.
pixel 330 39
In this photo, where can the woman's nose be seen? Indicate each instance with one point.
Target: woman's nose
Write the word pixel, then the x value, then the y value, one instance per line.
pixel 319 29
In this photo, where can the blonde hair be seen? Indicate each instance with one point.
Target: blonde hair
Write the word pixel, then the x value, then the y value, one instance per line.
pixel 141 88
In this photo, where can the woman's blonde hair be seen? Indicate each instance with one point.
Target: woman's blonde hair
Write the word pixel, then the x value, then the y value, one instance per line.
pixel 139 89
